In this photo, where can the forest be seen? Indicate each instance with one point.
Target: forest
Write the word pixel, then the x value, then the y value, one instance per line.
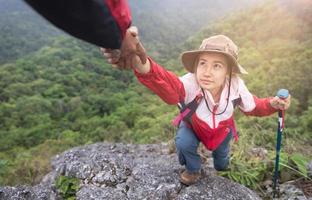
pixel 57 92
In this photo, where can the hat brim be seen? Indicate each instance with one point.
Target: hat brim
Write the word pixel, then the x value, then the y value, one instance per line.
pixel 189 58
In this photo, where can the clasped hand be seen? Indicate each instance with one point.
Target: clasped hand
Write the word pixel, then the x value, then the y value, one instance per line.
pixel 127 56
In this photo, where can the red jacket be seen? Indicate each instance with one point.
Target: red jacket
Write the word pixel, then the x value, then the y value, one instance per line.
pixel 211 129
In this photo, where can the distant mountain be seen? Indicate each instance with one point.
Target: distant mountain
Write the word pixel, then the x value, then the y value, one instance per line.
pixel 162 24
pixel 21 30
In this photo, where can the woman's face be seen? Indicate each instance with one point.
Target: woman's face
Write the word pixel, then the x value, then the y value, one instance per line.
pixel 211 71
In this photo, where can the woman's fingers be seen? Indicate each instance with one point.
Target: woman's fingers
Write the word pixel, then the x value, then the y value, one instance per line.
pixel 281 104
pixel 287 102
pixel 125 58
pixel 141 53
pixel 134 31
pixel 274 102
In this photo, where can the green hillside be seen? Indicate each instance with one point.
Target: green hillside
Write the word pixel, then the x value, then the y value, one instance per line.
pixel 64 94
pixel 21 30
pixel 165 26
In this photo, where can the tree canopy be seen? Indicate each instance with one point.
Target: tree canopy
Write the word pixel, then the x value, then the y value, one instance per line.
pixel 57 92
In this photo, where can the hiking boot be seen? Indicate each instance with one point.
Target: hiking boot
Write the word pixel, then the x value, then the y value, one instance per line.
pixel 189 178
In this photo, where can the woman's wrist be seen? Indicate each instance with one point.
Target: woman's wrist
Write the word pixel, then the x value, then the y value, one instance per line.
pixel 140 67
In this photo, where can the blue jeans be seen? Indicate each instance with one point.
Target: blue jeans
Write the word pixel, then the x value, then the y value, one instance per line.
pixel 187 144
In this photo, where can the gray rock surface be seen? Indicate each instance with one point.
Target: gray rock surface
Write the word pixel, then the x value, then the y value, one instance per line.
pixel 290 192
pixel 119 171
pixel 309 168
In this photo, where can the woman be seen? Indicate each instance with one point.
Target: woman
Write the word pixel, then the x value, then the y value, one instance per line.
pixel 207 95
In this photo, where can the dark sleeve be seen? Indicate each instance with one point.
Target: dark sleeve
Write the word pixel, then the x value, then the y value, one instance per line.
pixel 100 22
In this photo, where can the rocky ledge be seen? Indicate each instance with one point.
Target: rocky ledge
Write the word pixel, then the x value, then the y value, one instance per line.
pixel 119 171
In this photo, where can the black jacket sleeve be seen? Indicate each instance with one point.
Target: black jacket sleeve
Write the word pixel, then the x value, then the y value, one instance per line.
pixel 100 22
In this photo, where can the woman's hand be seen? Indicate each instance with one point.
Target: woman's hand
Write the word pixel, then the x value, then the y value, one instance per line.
pixel 131 49
pixel 280 104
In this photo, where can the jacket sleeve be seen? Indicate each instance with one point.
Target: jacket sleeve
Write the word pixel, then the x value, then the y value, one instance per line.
pixel 262 107
pixel 100 22
pixel 251 105
pixel 163 83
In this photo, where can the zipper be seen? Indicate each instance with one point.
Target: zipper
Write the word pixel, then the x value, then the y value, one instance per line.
pixel 214 116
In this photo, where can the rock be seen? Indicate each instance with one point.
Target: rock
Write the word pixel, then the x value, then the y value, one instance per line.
pixel 288 191
pixel 291 192
pixel 122 171
pixel 309 168
pixel 259 152
pixel 39 192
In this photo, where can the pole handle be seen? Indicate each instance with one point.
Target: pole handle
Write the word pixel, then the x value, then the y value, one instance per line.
pixel 283 93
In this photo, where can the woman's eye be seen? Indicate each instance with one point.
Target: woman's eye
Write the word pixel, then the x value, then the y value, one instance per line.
pixel 218 66
pixel 202 63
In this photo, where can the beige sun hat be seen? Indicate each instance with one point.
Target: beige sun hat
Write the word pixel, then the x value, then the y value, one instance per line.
pixel 219 44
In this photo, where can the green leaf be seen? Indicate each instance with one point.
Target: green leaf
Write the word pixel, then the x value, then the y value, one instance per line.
pixel 300 162
pixel 67 187
pixel 283 160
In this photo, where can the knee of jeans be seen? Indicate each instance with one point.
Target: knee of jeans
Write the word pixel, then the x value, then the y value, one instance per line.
pixel 180 144
pixel 184 145
pixel 221 164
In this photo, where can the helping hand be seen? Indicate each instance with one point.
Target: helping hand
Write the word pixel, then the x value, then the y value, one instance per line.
pixel 131 47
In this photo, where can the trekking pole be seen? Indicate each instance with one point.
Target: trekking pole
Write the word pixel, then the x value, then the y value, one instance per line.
pixel 282 94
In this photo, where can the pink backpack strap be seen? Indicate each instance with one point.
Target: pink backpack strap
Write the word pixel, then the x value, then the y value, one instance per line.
pixel 186 111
